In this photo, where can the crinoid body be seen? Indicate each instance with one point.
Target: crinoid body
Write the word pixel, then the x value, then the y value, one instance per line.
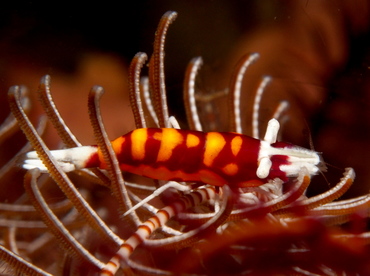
pixel 93 220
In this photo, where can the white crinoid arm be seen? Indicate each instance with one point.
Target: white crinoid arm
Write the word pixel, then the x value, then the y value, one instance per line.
pixel 68 159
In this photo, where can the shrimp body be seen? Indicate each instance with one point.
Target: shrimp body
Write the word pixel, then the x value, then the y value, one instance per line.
pixel 215 158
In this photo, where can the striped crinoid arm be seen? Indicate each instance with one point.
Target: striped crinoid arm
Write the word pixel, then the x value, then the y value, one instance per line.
pixel 64 237
pixel 10 125
pixel 46 100
pixel 18 265
pixel 7 128
pixel 55 172
pixel 235 91
pixel 323 199
pixel 65 134
pixel 252 205
pixel 17 215
pixel 117 182
pixel 192 199
pixel 135 89
pixel 25 238
pixel 156 69
pixel 189 94
pixel 259 210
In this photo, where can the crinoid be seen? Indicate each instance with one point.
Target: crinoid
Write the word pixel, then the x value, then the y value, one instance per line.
pixel 105 223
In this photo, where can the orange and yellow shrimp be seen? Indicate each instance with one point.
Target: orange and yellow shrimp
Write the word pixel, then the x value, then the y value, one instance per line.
pixel 215 158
